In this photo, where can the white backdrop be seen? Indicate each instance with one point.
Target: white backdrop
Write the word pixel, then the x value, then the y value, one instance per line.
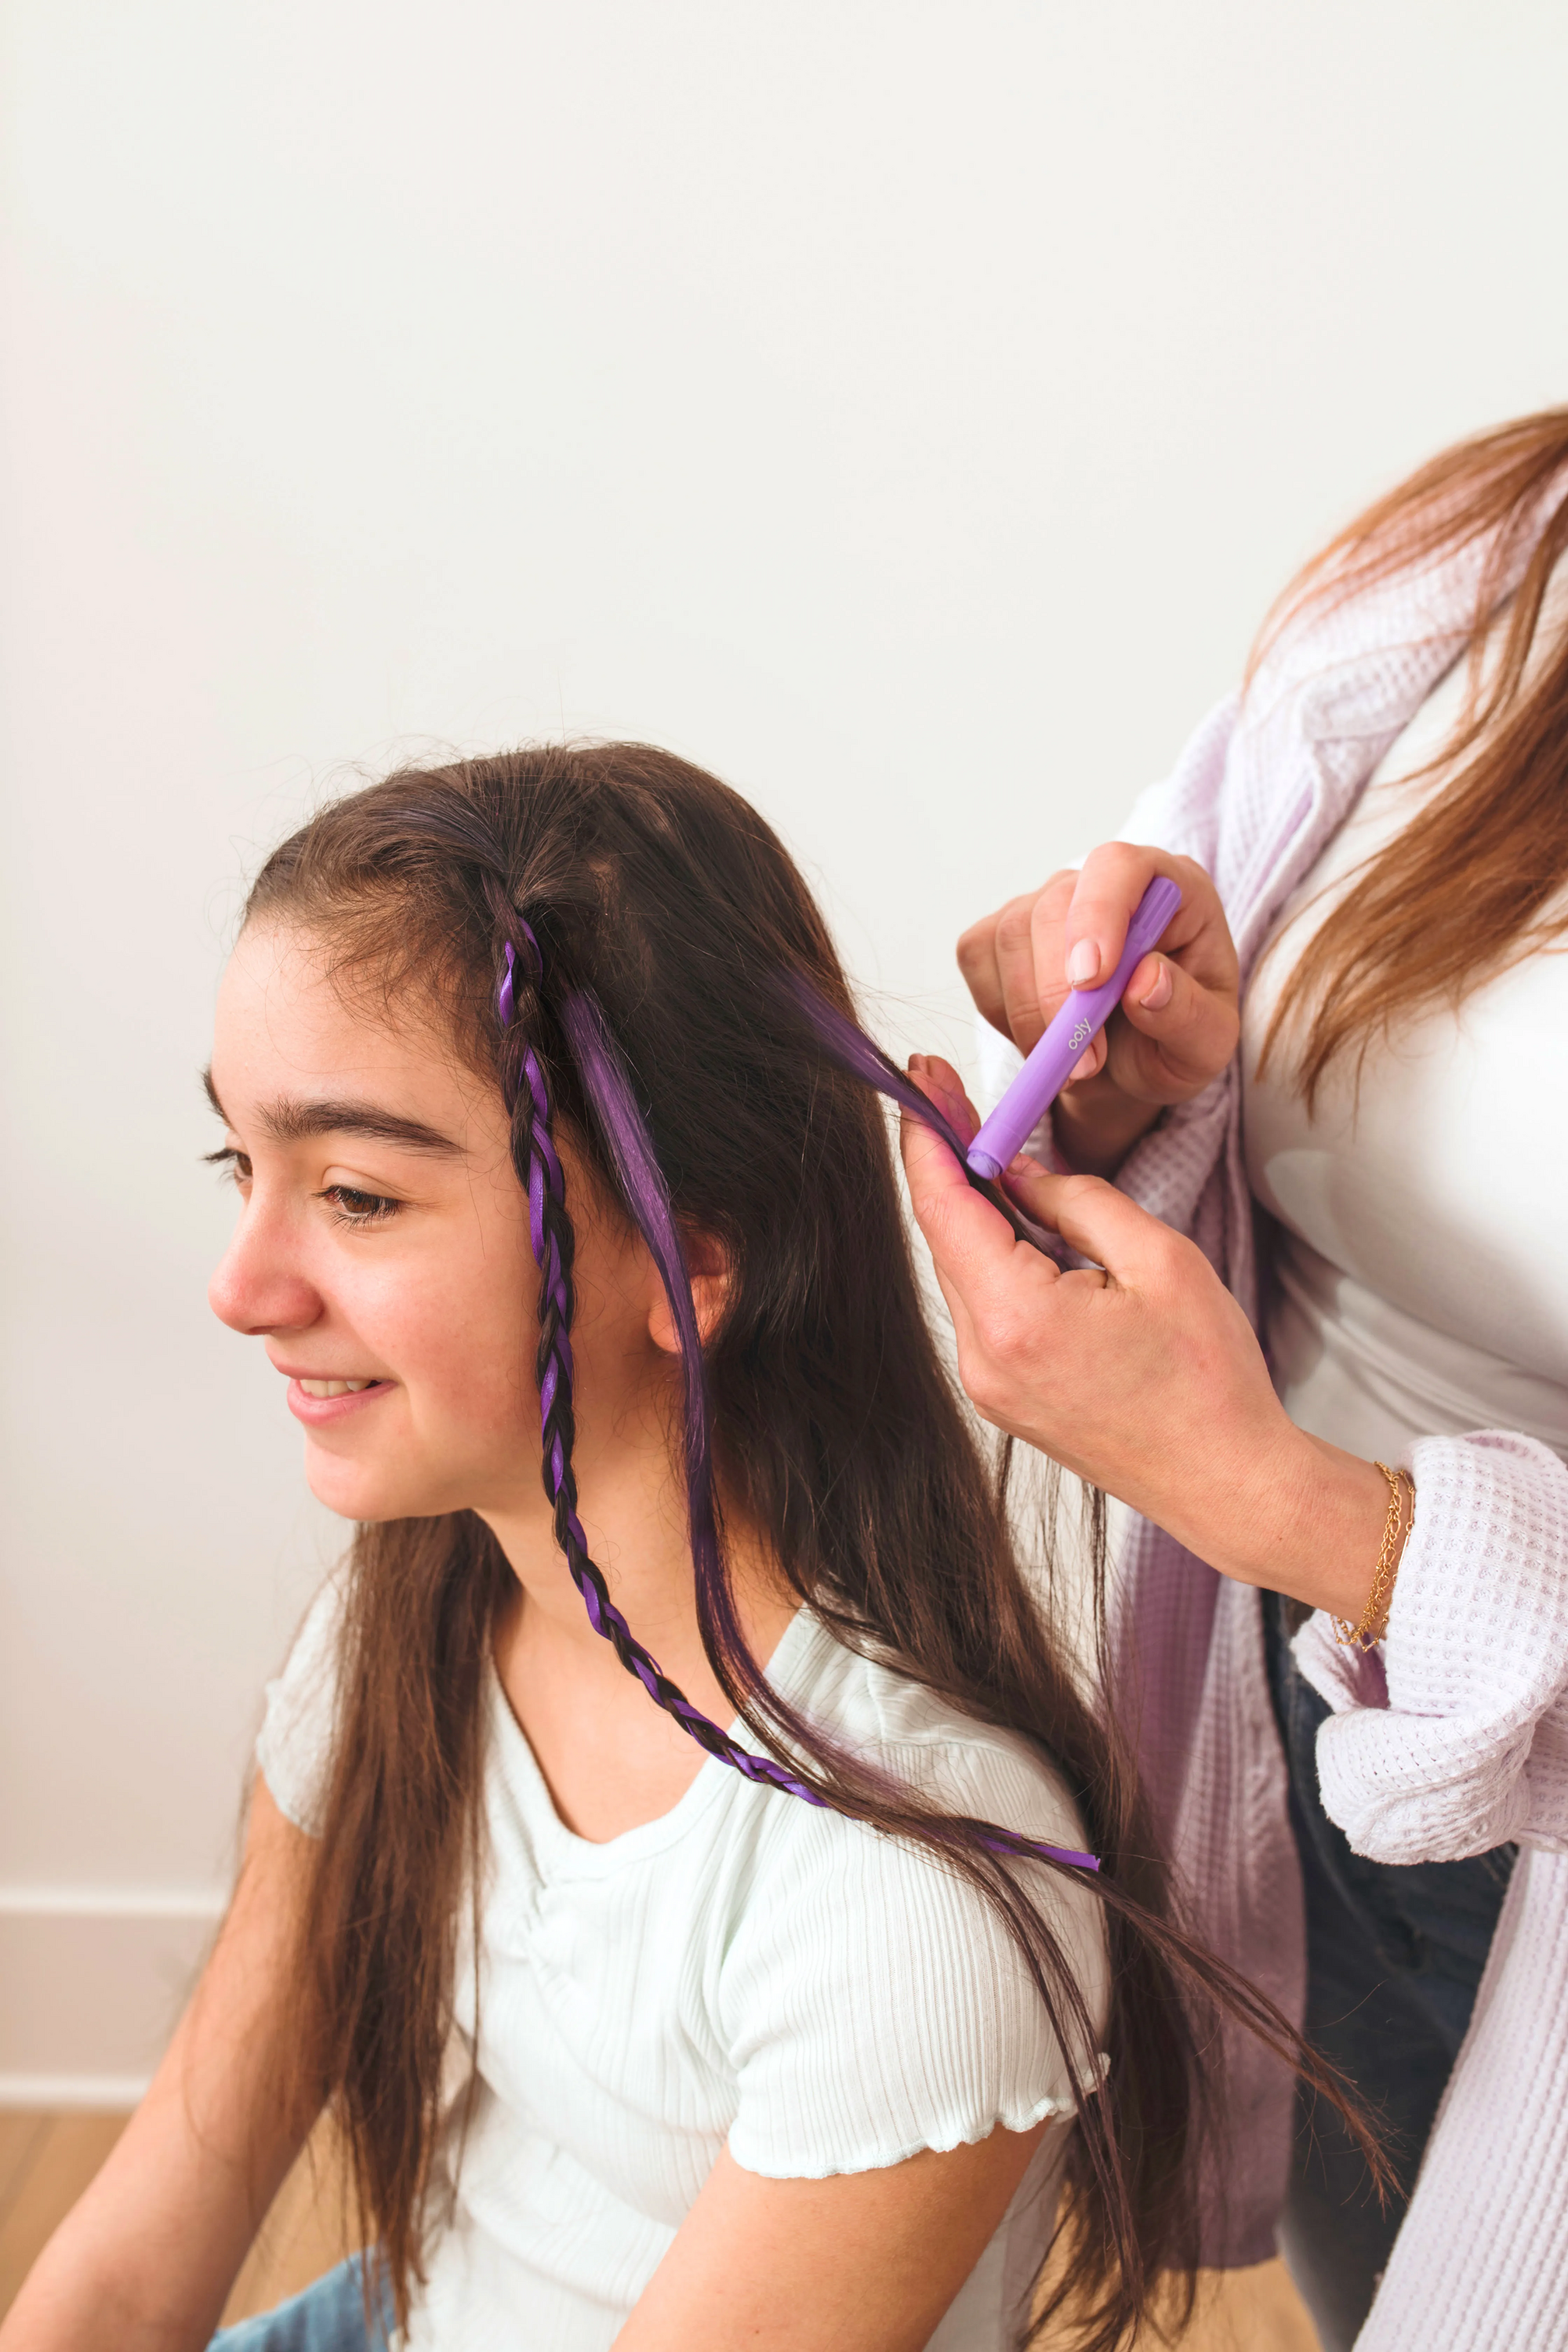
pixel 906 409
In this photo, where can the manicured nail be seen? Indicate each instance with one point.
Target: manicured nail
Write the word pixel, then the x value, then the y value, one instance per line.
pixel 1158 993
pixel 1083 964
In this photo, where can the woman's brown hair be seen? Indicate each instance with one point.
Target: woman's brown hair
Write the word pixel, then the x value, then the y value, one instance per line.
pixel 1475 880
pixel 621 877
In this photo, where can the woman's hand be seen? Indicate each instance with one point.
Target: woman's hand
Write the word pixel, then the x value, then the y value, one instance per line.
pixel 1177 1023
pixel 1139 1373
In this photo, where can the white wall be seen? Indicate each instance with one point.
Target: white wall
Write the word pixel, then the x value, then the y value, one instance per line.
pixel 906 409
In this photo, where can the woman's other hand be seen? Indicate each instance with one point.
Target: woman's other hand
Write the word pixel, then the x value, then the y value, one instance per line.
pixel 1177 1023
pixel 1140 1372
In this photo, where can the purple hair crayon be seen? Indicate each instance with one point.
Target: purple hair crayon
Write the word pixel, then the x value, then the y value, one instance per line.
pixel 1080 1019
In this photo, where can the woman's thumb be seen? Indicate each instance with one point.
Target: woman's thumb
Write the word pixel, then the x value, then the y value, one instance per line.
pixel 1091 1216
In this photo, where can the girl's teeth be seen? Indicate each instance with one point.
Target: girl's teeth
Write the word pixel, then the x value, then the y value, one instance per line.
pixel 334 1388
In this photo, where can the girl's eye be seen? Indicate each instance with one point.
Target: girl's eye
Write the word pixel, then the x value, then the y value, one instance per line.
pixel 233 1163
pixel 356 1208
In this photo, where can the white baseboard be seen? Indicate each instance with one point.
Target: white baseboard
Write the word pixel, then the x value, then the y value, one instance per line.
pixel 91 1984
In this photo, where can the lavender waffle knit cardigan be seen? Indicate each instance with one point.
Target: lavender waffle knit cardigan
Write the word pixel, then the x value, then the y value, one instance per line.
pixel 1456 1736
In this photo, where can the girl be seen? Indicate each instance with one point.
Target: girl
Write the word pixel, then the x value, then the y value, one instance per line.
pixel 535 1076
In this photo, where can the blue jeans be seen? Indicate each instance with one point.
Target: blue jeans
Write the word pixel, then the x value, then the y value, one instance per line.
pixel 327 2317
pixel 1394 1960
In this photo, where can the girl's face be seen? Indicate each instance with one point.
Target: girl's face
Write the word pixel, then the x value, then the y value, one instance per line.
pixel 382 1253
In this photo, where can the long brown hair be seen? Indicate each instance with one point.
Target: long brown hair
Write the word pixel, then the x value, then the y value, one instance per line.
pixel 1469 885
pixel 661 894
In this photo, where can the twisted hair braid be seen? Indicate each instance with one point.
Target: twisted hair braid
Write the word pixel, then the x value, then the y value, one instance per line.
pixel 539 1170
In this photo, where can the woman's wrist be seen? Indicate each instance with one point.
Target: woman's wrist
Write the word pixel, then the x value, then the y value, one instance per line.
pixel 1096 1126
pixel 1311 1526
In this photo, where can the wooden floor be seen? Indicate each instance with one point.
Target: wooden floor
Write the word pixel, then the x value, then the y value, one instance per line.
pixel 46 2160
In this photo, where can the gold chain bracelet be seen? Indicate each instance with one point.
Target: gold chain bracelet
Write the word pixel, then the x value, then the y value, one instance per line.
pixel 1374 1616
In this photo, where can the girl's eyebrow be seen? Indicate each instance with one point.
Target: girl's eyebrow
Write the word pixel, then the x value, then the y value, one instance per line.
pixel 289 1120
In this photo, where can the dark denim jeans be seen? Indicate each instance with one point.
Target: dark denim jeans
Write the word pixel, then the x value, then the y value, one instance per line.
pixel 327 2317
pixel 1394 1960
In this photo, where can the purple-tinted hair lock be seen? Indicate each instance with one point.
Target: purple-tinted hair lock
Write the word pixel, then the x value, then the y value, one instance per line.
pixel 634 1162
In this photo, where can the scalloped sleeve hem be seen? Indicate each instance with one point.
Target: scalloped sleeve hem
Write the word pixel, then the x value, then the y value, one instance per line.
pixel 774 2163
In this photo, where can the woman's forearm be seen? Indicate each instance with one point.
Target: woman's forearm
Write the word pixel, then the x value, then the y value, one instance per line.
pixel 1306 1519
pixel 1141 1373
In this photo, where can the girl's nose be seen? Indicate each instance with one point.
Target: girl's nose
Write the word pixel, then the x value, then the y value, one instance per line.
pixel 259 1285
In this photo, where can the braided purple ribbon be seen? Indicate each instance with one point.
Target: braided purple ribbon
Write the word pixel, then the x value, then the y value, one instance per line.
pixel 642 1181
pixel 546 1174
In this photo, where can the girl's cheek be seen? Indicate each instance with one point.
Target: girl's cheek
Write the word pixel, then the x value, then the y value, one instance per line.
pixel 477 1370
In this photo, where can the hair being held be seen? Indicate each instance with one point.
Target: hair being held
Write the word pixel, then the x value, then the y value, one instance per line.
pixel 675 1008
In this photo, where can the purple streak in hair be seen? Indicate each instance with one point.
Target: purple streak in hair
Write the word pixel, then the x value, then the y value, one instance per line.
pixel 641 1179
pixel 854 1051
pixel 639 1172
pixel 609 1090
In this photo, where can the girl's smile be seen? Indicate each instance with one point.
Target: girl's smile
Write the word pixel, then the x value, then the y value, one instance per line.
pixel 315 1400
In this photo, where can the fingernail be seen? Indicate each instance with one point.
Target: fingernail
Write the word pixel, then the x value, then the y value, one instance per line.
pixel 916 1066
pixel 1085 1067
pixel 1083 964
pixel 1024 1164
pixel 1158 992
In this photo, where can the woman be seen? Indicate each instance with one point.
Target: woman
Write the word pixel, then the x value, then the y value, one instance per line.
pixel 1383 813
pixel 547 1116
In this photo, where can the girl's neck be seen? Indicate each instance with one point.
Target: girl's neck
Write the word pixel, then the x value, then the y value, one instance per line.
pixel 611 1757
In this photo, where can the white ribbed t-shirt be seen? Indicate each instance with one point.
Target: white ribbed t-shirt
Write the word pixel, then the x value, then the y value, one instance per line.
pixel 746 1972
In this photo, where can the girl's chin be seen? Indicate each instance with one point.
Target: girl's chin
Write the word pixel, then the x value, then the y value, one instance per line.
pixel 354 1491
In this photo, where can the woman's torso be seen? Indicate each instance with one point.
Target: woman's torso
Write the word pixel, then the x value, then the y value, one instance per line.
pixel 1421 1261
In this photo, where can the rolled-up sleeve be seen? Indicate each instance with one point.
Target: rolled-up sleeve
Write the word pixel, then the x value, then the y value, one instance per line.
pixel 1453 1738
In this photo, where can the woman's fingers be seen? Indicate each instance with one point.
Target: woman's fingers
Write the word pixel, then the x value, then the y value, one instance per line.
pixel 1177 1035
pixel 939 1082
pixel 1109 884
pixel 977 961
pixel 1094 1219
pixel 1017 974
pixel 972 1243
pixel 1012 960
pixel 1177 1024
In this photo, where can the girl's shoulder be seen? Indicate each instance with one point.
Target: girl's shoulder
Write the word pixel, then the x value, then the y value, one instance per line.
pixel 294 1747
pixel 869 1706
pixel 908 1896
pixel 953 1759
pixel 872 2000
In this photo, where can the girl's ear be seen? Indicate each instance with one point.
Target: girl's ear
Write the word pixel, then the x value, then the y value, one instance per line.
pixel 708 1266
